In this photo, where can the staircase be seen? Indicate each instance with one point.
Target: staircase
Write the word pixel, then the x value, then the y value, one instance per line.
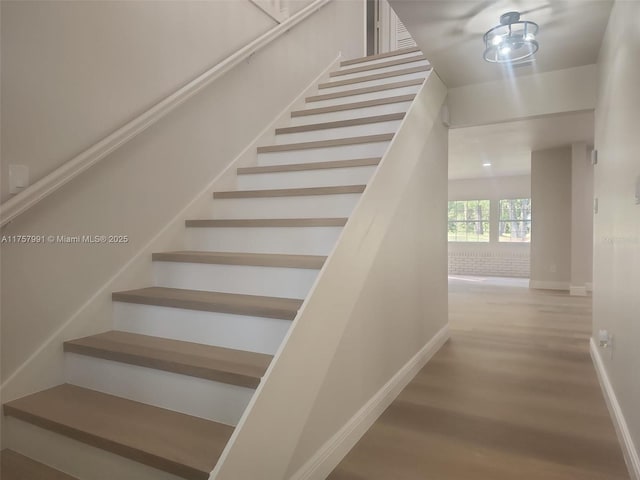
pixel 159 396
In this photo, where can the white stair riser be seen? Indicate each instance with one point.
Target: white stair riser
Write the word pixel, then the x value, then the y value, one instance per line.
pixel 202 398
pixel 327 177
pixel 324 154
pixel 243 279
pixel 382 60
pixel 336 133
pixel 370 83
pixel 314 206
pixel 239 332
pixel 292 240
pixel 63 453
pixel 349 114
pixel 363 97
pixel 375 71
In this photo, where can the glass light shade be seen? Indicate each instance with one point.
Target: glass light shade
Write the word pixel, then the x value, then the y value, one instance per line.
pixel 511 41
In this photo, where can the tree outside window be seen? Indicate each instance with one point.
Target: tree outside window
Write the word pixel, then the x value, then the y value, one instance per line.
pixel 515 220
pixel 468 221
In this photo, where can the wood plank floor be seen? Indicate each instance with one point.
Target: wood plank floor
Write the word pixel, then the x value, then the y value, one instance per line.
pixel 512 395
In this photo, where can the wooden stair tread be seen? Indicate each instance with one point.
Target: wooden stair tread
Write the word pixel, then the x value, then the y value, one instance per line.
pixel 375 76
pixel 14 466
pixel 233 303
pixel 291 192
pixel 235 258
pixel 354 105
pixel 220 364
pixel 181 444
pixel 378 56
pixel 342 123
pixel 267 222
pixel 363 90
pixel 338 142
pixel 295 167
pixel 375 66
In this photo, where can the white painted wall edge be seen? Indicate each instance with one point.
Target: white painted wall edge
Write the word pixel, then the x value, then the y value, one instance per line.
pixel 364 229
pixel 519 118
pixel 629 450
pixel 176 224
pixel 336 448
pixel 546 285
pixel 75 166
pixel 578 291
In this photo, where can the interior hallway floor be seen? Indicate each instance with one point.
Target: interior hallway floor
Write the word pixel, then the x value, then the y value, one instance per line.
pixel 512 395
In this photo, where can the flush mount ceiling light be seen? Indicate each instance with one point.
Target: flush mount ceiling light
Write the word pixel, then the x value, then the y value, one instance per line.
pixel 511 41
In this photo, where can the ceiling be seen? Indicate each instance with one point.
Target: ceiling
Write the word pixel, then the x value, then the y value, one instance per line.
pixel 450 32
pixel 508 146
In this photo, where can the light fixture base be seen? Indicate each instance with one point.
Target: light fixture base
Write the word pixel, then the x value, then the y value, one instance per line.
pixel 509 17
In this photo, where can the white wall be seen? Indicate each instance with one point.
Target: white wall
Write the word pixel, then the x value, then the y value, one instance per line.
pixel 581 219
pixel 493 258
pixel 72 72
pixel 551 218
pixel 137 190
pixel 401 306
pixel 559 91
pixel 616 295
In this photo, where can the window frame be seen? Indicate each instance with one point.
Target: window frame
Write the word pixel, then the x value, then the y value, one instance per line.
pixel 485 221
pixel 526 222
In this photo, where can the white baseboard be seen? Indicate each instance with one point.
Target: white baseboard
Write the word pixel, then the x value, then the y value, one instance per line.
pixel 578 291
pixel 546 285
pixel 631 456
pixel 334 450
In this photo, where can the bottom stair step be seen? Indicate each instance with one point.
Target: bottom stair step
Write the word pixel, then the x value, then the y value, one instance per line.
pixel 14 466
pixel 174 442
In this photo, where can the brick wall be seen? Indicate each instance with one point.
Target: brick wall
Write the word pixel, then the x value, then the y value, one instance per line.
pixel 496 263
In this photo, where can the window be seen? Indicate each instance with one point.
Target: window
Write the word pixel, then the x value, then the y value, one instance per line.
pixel 469 221
pixel 515 220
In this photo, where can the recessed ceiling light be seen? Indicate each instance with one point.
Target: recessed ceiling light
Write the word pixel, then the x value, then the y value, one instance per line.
pixel 486 164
